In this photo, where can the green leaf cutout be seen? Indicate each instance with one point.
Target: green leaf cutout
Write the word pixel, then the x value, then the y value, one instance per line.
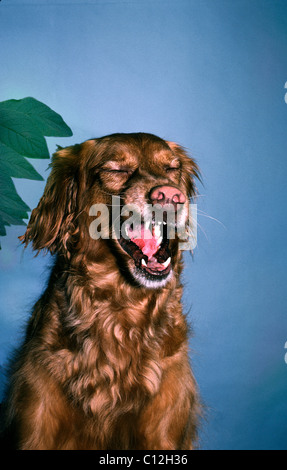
pixel 24 124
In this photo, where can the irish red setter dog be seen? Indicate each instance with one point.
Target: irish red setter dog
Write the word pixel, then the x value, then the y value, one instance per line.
pixel 104 364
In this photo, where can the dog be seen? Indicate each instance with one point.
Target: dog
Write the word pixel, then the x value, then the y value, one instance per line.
pixel 104 363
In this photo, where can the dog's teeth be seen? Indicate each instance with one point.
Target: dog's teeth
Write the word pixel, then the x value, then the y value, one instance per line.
pixel 143 262
pixel 127 231
pixel 159 240
pixel 147 225
pixel 167 262
pixel 157 231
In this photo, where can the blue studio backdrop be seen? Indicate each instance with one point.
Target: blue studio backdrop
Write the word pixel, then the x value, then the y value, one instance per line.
pixel 211 75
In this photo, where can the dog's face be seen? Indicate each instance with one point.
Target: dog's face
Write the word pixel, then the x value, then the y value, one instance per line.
pixel 135 188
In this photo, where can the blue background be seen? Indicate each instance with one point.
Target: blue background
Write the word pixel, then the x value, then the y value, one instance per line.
pixel 209 74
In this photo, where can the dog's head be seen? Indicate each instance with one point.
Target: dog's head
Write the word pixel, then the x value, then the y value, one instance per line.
pixel 124 196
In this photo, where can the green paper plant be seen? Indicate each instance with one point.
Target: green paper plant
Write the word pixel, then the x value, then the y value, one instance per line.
pixel 24 124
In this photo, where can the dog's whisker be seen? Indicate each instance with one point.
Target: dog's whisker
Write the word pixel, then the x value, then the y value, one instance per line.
pixel 203 214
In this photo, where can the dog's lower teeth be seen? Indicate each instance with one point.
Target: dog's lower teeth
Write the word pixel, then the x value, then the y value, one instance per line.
pixel 143 262
pixel 167 262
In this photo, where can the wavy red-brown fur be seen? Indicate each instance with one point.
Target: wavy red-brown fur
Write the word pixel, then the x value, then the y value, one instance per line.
pixel 104 364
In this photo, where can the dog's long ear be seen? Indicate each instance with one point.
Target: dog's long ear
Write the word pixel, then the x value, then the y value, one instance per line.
pixel 52 224
pixel 190 169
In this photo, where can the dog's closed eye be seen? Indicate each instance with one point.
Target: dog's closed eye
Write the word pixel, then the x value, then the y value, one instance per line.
pixel 172 169
pixel 119 172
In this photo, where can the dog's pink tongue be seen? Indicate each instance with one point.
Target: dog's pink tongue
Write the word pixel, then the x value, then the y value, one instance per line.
pixel 146 242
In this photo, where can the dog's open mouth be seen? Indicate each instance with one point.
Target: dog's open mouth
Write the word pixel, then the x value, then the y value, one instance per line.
pixel 148 245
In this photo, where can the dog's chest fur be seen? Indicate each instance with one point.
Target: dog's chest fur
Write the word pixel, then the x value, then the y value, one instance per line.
pixel 114 350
